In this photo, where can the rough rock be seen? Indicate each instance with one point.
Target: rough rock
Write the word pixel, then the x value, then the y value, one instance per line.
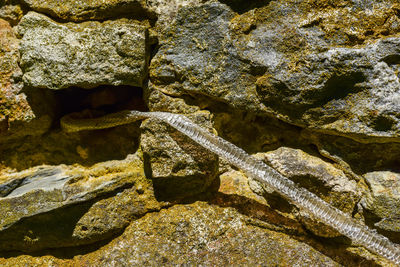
pixel 195 234
pixel 195 62
pixel 235 182
pixel 90 9
pixel 166 11
pixel 295 66
pixel 56 147
pixel 207 235
pixel 77 205
pixel 315 76
pixel 18 116
pixel 178 166
pixel 317 176
pixel 383 199
pixel 355 155
pixel 10 12
pixel 234 191
pixel 87 55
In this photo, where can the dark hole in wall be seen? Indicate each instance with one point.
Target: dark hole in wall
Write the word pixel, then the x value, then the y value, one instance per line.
pixel 112 143
pixel 338 87
pixel 385 156
pixel 372 220
pixel 105 98
pixel 87 147
pixel 392 59
pixel 383 123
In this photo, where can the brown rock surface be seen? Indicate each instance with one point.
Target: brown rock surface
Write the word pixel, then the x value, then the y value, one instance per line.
pixel 18 116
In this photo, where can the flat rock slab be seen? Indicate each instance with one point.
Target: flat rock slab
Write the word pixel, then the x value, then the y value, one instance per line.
pixel 76 205
pixel 46 179
pixel 56 55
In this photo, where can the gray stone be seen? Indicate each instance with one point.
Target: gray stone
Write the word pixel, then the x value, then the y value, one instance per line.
pixel 89 54
pixel 276 63
pixel 166 11
pixel 194 63
pixel 178 166
pixel 317 176
pixel 78 205
pixel 383 198
pixel 43 179
pixel 11 13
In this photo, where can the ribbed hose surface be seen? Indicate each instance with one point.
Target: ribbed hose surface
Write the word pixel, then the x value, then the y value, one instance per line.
pixel 304 199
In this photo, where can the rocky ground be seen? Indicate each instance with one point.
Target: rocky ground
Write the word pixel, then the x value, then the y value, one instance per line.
pixel 310 87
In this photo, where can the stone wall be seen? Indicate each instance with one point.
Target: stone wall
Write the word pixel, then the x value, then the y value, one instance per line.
pixel 310 87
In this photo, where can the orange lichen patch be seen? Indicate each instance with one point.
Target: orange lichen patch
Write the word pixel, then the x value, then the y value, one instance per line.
pixel 235 183
pixel 13 105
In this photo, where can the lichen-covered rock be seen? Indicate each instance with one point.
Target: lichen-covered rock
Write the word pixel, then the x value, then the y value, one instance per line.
pixel 234 191
pixel 10 12
pixel 90 9
pixel 207 235
pixel 166 11
pixel 178 166
pixel 196 63
pixel 235 182
pixel 18 116
pixel 317 176
pixel 278 62
pixel 87 55
pixel 357 155
pixel 195 234
pixel 321 76
pixel 383 199
pixel 77 205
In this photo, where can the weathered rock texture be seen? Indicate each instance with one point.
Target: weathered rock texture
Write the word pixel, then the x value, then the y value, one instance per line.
pixel 91 9
pixel 310 87
pixel 77 206
pixel 193 235
pixel 18 116
pixel 279 62
pixel 87 55
pixel 10 11
pixel 383 199
pixel 317 176
pixel 177 165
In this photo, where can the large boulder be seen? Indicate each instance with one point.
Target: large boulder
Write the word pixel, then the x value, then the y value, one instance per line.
pixel 298 68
